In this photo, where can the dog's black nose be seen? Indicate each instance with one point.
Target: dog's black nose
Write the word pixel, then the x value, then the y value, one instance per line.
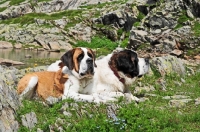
pixel 146 60
pixel 82 74
pixel 89 61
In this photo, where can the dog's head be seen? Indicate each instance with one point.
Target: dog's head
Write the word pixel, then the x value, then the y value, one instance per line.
pixel 81 61
pixel 127 62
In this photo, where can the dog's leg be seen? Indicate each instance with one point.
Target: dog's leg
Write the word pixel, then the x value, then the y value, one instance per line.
pixel 82 97
pixel 30 88
pixel 129 96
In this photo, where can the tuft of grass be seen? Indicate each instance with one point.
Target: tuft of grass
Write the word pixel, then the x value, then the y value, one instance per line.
pixel 2 9
pixel 105 45
pixel 140 16
pixel 16 2
pixel 196 28
pixel 183 18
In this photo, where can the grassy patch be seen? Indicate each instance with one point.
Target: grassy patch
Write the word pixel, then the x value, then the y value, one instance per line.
pixel 192 52
pixel 2 9
pixel 140 16
pixel 30 18
pixel 183 18
pixel 103 44
pixel 196 28
pixel 16 2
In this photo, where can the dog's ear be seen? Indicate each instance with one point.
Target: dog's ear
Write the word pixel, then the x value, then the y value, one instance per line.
pixel 67 59
pixel 94 57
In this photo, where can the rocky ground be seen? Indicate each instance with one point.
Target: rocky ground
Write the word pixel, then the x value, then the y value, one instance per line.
pixel 166 31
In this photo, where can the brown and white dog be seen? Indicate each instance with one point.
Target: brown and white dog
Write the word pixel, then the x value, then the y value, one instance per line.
pixel 112 77
pixel 79 66
pixel 44 84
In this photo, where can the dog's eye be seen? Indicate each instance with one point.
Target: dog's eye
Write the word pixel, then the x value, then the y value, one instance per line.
pixel 80 57
pixel 90 55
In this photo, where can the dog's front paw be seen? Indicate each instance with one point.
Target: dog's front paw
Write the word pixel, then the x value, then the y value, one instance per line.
pixel 64 97
pixel 129 97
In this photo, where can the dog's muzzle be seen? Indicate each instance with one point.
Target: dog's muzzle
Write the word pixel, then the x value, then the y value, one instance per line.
pixel 90 68
pixel 143 65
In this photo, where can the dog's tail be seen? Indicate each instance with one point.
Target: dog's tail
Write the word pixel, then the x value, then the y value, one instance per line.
pixel 26 86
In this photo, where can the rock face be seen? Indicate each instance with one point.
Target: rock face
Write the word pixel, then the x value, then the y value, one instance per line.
pixel 44 7
pixel 29 120
pixel 9 99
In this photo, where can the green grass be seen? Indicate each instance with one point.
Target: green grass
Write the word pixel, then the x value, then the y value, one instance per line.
pixel 183 18
pixel 103 44
pixel 196 28
pixel 29 18
pixel 16 2
pixel 2 9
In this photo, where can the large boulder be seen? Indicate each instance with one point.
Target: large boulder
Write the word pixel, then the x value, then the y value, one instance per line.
pixel 168 64
pixel 9 99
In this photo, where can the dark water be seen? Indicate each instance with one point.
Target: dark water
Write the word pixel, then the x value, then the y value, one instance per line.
pixel 38 58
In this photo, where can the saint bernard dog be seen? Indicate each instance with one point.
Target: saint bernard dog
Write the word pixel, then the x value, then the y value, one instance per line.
pixel 79 66
pixel 113 74
pixel 45 84
pixel 116 72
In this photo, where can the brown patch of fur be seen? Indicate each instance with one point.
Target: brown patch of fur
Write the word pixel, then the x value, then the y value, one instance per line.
pixel 77 52
pixel 49 83
pixel 93 56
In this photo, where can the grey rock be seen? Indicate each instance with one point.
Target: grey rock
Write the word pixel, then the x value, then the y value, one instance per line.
pixel 54 46
pixel 184 30
pixel 5 45
pixel 60 23
pixel 176 97
pixel 176 52
pixel 168 64
pixel 9 99
pixel 197 101
pixel 52 100
pixel 39 130
pixel 68 114
pixel 29 120
pixel 138 90
pixel 119 18
pixel 179 103
pixel 41 41
pixel 18 46
pixel 189 14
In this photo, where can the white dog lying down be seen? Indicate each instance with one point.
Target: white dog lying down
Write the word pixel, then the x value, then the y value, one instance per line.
pixel 112 76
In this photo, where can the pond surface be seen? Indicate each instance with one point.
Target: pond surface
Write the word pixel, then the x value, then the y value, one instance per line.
pixel 38 58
